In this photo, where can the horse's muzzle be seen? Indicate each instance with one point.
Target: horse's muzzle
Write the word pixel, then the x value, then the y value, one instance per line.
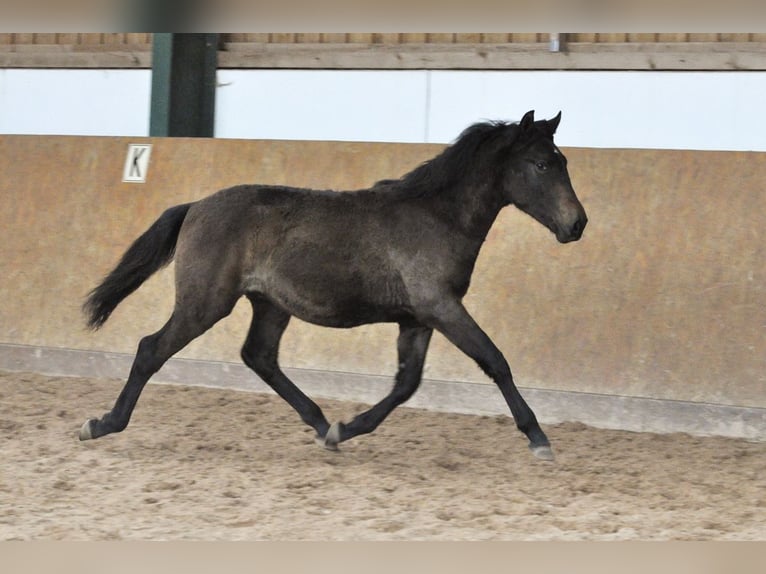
pixel 574 231
pixel 577 229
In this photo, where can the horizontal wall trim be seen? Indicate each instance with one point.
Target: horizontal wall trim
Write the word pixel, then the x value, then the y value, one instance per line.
pixel 551 406
pixel 73 56
pixel 649 56
pixel 678 56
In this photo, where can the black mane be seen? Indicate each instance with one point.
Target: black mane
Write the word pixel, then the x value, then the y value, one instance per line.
pixel 459 159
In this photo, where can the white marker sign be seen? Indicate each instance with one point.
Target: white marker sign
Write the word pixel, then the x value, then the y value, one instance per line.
pixel 137 163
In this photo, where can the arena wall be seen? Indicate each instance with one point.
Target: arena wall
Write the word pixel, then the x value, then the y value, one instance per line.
pixel 653 321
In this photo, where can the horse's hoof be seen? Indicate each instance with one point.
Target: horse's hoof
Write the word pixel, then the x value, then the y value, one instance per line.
pixel 333 435
pixel 542 452
pixel 322 441
pixel 85 431
pixel 331 439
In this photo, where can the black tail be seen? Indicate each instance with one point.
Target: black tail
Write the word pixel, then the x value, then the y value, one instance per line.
pixel 150 252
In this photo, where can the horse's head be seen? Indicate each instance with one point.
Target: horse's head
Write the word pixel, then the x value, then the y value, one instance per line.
pixel 537 181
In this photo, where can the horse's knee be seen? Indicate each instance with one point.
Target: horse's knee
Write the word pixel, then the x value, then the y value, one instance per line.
pixel 249 358
pixel 407 381
pixel 264 364
pixel 403 392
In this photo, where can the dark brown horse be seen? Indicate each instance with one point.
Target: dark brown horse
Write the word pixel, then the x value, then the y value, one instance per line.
pixel 402 251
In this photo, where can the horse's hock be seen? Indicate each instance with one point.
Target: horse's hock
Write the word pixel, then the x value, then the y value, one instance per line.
pixel 654 321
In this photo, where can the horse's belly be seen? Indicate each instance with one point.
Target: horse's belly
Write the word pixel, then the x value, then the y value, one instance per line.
pixel 335 301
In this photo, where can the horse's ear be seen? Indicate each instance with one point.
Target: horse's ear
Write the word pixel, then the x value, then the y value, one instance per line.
pixel 527 121
pixel 553 123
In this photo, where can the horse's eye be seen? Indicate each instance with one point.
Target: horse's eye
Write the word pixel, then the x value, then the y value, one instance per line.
pixel 541 166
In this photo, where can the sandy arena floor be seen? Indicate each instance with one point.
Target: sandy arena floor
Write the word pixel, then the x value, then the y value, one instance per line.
pixel 208 464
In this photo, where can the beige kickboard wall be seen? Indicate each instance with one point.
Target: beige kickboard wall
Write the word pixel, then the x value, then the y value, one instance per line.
pixel 663 297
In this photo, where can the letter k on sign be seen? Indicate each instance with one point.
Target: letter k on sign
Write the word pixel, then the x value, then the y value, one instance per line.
pixel 137 163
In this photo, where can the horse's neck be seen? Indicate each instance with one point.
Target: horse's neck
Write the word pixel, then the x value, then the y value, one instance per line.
pixel 471 208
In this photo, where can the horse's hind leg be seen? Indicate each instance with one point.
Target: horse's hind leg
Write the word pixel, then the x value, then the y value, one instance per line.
pixel 412 346
pixel 153 351
pixel 260 353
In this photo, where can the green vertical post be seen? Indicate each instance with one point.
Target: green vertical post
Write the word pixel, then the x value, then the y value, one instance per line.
pixel 162 52
pixel 183 85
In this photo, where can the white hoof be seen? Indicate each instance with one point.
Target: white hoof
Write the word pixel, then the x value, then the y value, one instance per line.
pixel 331 439
pixel 333 435
pixel 542 452
pixel 85 433
pixel 324 444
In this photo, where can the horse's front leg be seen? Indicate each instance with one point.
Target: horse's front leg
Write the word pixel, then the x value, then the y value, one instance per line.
pixel 412 346
pixel 452 320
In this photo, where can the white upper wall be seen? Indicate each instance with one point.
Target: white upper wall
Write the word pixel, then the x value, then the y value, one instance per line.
pixel 676 110
pixel 322 105
pixel 75 102
pixel 666 110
